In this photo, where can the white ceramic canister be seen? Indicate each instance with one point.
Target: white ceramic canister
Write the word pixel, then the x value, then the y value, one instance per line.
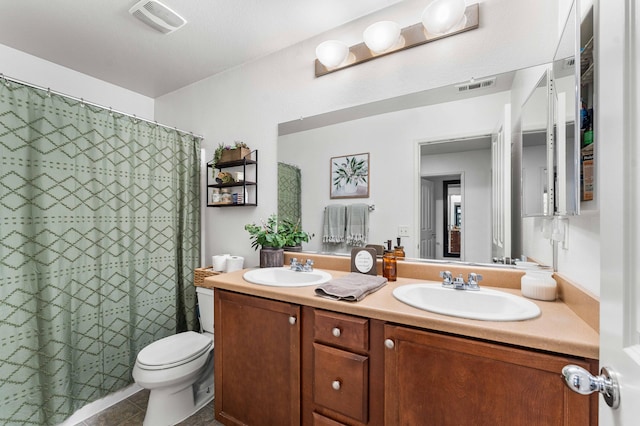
pixel 538 284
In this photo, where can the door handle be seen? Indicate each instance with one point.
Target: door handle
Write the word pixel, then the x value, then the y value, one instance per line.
pixel 580 380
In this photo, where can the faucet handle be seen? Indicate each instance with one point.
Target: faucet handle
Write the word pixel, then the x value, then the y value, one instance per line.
pixel 474 279
pixel 447 278
pixel 308 266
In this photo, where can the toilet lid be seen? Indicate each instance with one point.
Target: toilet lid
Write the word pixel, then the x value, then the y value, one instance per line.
pixel 174 350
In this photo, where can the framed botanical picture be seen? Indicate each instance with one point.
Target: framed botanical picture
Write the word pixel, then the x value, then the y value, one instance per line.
pixel 350 176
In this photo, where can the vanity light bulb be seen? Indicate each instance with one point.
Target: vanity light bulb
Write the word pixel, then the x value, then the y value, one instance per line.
pixel 381 36
pixel 442 16
pixel 332 53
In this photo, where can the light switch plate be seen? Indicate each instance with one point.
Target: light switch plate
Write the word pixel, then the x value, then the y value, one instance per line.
pixel 403 231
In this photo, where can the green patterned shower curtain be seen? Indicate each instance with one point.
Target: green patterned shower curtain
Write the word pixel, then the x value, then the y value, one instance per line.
pixel 289 192
pixel 99 237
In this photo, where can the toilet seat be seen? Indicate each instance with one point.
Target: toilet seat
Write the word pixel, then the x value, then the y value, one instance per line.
pixel 173 351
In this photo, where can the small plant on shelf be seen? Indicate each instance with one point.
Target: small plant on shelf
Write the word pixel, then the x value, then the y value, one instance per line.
pixel 217 154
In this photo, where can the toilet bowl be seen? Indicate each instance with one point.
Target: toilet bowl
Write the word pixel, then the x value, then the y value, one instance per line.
pixel 178 370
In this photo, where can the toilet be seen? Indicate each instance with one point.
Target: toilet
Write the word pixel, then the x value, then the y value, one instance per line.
pixel 178 370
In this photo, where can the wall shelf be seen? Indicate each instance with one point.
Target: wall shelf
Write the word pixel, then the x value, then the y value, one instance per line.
pixel 247 188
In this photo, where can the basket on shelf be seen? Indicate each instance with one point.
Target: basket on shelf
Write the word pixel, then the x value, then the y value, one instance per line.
pixel 234 154
pixel 201 273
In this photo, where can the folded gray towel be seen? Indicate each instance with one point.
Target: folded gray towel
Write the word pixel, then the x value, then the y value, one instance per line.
pixel 352 287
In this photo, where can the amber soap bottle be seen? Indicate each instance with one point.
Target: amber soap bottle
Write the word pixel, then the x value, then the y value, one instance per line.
pixel 389 264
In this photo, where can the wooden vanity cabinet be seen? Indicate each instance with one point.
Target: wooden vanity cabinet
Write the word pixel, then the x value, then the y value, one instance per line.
pixel 257 360
pixel 435 379
pixel 278 363
pixel 341 369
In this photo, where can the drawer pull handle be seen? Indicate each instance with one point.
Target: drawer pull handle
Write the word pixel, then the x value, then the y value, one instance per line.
pixel 389 344
pixel 336 385
pixel 336 332
pixel 292 320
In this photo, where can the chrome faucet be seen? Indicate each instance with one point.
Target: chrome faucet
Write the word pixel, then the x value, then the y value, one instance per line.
pixel 308 266
pixel 458 282
pixel 299 267
pixel 447 279
pixel 472 282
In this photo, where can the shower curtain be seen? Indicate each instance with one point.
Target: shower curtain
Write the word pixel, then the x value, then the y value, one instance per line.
pixel 99 237
pixel 289 192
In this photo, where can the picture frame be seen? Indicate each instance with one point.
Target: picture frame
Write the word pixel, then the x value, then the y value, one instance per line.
pixel 349 176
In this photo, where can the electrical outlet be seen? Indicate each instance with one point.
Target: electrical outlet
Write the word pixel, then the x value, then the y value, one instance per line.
pixel 403 231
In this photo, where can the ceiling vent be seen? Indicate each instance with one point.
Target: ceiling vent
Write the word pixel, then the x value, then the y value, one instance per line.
pixel 157 16
pixel 476 84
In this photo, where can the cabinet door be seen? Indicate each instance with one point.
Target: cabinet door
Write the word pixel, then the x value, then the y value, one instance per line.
pixel 257 360
pixel 433 379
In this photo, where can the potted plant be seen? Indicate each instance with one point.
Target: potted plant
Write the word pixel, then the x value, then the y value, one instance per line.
pixel 269 240
pixel 224 153
pixel 293 234
pixel 349 174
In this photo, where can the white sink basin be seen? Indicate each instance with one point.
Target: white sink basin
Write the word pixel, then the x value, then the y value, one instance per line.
pixel 485 304
pixel 285 277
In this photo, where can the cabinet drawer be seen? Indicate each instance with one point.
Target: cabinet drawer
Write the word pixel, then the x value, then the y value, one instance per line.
pixel 341 381
pixel 341 330
pixel 320 420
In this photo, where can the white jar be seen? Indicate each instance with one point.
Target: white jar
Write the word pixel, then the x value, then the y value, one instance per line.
pixel 215 196
pixel 538 284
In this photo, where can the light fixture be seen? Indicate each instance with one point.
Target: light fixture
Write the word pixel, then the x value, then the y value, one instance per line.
pixel 381 36
pixel 332 53
pixel 441 18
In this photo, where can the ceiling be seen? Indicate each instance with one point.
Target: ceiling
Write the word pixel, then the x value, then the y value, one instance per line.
pixel 101 39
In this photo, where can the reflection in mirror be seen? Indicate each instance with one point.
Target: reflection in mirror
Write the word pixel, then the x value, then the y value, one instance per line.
pixel 566 106
pixel 536 140
pixel 453 218
pixel 468 162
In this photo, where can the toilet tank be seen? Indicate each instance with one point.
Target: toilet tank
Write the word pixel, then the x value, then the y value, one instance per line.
pixel 205 307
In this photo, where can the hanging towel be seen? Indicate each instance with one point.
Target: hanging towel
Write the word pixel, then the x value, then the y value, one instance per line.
pixel 357 224
pixel 334 220
pixel 352 287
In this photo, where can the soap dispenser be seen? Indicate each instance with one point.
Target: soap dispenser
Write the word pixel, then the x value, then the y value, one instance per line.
pixel 398 250
pixel 389 264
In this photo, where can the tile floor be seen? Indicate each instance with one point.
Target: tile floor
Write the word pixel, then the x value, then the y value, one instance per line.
pixel 130 412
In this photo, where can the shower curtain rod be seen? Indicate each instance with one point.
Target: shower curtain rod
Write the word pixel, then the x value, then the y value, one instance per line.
pixel 5 79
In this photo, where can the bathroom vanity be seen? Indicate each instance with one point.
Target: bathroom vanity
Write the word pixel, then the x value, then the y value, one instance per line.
pixel 286 356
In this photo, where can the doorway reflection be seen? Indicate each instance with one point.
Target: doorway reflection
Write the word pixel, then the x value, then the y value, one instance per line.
pixel 441 217
pixel 452 214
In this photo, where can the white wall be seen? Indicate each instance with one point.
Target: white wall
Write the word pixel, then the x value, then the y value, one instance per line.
pixel 31 69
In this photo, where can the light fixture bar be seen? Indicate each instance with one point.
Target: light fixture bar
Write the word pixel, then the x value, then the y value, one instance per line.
pixel 413 35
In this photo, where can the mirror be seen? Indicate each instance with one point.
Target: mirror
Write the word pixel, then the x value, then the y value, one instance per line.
pixel 536 140
pixel 566 153
pixel 393 133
